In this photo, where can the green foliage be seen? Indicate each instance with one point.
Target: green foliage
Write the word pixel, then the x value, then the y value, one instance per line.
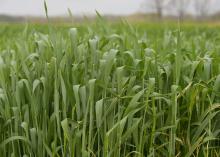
pixel 109 90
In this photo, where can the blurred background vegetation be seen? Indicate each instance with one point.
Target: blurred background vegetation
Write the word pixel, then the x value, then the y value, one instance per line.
pixel 148 10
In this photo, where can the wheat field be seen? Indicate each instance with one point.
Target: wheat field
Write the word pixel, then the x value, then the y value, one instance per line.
pixel 109 90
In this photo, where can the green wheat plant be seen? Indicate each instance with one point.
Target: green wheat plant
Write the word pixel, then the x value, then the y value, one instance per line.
pixel 105 90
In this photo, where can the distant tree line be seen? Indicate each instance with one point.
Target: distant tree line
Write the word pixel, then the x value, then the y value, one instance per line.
pixel 180 7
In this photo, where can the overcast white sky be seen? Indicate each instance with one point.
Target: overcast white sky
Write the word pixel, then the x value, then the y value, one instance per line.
pixel 59 7
pixel 78 7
